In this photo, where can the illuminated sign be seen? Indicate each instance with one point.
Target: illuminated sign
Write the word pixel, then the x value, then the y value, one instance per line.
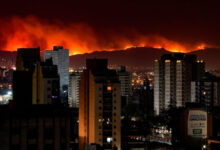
pixel 197 123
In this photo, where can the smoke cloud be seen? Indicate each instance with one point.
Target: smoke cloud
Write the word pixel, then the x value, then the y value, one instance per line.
pixel 18 32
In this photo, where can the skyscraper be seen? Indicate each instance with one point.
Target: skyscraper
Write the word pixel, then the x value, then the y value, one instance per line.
pixel 125 80
pixel 74 90
pixel 34 122
pixel 99 106
pixel 173 74
pixel 27 58
pixel 45 83
pixel 206 91
pixel 60 58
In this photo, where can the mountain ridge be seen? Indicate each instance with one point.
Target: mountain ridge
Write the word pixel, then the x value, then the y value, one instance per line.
pixel 136 56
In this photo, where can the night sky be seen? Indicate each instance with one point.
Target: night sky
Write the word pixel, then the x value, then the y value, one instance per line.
pixel 186 24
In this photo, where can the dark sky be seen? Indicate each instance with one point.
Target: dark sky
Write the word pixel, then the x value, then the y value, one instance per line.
pixel 186 21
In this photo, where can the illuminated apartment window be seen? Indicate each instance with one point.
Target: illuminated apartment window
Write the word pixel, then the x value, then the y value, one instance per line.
pixel 109 88
pixel 109 139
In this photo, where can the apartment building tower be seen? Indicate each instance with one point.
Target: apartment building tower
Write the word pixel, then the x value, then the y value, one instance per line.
pixel 173 74
pixel 99 106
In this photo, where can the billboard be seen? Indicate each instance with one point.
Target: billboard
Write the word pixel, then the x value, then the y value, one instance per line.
pixel 197 123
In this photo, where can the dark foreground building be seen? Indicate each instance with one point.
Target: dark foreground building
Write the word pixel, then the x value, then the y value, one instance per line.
pixel 37 127
pixel 35 119
pixel 196 127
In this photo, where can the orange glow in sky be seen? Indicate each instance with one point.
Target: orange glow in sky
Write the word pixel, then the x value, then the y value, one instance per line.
pixel 77 37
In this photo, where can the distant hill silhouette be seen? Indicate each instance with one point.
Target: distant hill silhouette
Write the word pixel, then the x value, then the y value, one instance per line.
pixel 144 56
pixel 137 56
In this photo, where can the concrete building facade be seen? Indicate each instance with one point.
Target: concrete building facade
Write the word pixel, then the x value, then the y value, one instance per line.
pixel 206 91
pixel 45 83
pixel 60 58
pixel 99 106
pixel 173 74
pixel 74 90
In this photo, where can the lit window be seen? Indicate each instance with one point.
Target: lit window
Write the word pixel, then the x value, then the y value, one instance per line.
pixel 109 88
pixel 167 61
pixel 109 139
pixel 9 86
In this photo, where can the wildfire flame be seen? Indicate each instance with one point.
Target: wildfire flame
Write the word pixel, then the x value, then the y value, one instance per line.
pixel 79 38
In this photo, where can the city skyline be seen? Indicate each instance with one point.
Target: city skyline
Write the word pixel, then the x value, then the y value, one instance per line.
pixel 109 75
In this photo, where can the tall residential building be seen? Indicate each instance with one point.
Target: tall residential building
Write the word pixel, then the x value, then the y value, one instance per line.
pixel 99 106
pixel 125 80
pixel 26 61
pixel 35 82
pixel 27 58
pixel 173 74
pixel 74 90
pixel 45 83
pixel 36 127
pixel 60 58
pixel 206 91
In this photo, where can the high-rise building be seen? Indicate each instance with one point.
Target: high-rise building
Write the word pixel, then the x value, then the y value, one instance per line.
pixel 35 82
pixel 173 74
pixel 26 61
pixel 206 91
pixel 125 80
pixel 146 98
pixel 99 106
pixel 74 90
pixel 60 58
pixel 27 58
pixel 45 83
pixel 36 127
pixel 34 123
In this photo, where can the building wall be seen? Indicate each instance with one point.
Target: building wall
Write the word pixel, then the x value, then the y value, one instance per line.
pixel 168 83
pixel 40 133
pixel 216 94
pixel 38 86
pixel 206 92
pixel 60 58
pixel 83 110
pixel 117 117
pixel 125 80
pixel 93 108
pixel 94 103
pixel 44 88
pixel 156 88
pixel 173 74
pixel 193 91
pixel 179 83
pixel 74 90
